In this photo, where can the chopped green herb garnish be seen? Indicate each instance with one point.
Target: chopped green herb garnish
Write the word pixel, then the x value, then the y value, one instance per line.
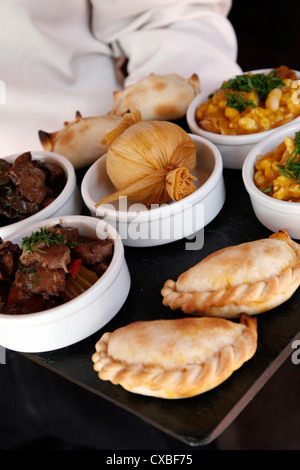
pixel 268 189
pixel 33 271
pixel 238 102
pixel 22 268
pixel 259 82
pixel 239 83
pixel 291 169
pixel 49 237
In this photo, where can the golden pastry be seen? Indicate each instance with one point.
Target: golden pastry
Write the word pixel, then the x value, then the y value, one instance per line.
pixel 158 97
pixel 177 358
pixel 252 277
pixel 80 140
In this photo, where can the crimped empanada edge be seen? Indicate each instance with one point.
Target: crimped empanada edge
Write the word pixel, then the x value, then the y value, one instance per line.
pixel 252 299
pixel 189 381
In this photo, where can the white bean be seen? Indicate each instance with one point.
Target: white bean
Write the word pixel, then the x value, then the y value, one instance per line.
pixel 273 99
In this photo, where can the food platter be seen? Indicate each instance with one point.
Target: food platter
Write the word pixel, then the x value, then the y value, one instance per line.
pixel 215 404
pixel 201 419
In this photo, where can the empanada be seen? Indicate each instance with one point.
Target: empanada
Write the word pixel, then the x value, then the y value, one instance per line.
pixel 158 97
pixel 252 277
pixel 177 358
pixel 80 140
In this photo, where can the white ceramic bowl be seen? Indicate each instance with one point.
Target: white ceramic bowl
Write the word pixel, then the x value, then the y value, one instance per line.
pixel 141 227
pixel 233 148
pixel 272 213
pixel 80 317
pixel 67 203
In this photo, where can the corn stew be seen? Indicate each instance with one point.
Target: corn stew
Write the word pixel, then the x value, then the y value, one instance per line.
pixel 238 109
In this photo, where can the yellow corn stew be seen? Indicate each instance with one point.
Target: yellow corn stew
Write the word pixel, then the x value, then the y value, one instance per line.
pixel 280 107
pixel 271 170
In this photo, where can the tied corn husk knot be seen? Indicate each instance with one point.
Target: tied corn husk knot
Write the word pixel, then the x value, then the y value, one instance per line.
pixel 179 183
pixel 149 162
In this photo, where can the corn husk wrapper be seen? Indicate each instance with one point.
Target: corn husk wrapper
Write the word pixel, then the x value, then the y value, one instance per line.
pixel 149 162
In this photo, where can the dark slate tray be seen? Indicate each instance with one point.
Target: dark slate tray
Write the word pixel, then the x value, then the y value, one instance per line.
pixel 198 420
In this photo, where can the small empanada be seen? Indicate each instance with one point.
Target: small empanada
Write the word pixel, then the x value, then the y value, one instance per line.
pixel 80 140
pixel 252 277
pixel 158 97
pixel 177 358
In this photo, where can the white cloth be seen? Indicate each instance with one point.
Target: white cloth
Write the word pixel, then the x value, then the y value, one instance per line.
pixel 57 57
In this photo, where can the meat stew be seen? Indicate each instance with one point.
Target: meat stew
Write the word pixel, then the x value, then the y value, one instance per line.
pixel 27 186
pixel 54 265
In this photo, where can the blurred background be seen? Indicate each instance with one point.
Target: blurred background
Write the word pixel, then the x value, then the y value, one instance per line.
pixel 267 33
pixel 44 414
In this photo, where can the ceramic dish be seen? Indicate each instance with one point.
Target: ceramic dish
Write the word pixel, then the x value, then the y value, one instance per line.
pixel 80 317
pixel 141 227
pixel 67 203
pixel 272 213
pixel 233 148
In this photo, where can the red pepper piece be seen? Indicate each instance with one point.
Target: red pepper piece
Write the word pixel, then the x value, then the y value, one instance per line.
pixel 74 266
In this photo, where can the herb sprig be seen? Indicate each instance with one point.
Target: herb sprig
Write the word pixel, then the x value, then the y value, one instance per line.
pixel 291 169
pixel 238 102
pixel 49 237
pixel 259 82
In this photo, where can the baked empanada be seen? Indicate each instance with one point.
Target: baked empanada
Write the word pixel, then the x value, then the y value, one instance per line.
pixel 80 140
pixel 252 277
pixel 177 358
pixel 158 97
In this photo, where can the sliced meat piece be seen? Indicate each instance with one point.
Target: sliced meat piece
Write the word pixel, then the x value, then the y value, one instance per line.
pixel 47 201
pixel 52 257
pixel 285 72
pixel 100 268
pixel 69 233
pixel 40 280
pixel 55 175
pixel 9 259
pixel 15 205
pixel 35 303
pixel 4 167
pixel 93 252
pixel 29 179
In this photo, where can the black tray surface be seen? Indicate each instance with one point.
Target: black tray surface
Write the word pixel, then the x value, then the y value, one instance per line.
pixel 201 419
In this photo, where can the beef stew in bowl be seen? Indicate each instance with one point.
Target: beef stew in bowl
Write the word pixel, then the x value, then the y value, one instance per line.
pixel 54 265
pixel 76 319
pixel 36 186
pixel 27 186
